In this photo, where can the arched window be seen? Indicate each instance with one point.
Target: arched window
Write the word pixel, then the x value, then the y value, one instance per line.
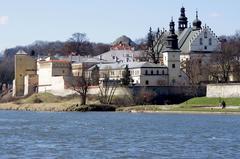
pixel 201 41
pixel 151 72
pixel 163 72
pixel 210 41
pixel 146 82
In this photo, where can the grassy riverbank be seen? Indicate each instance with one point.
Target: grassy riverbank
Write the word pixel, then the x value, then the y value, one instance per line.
pixel 205 101
pixel 194 105
pixel 49 102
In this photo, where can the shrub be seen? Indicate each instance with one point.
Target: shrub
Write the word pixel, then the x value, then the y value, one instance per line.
pixel 37 100
pixel 124 100
pixel 144 96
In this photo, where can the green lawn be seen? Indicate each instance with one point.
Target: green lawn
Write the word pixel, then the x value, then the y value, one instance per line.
pixel 205 101
pixel 199 104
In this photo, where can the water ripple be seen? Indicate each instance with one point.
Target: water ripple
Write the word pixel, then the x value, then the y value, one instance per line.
pixel 117 135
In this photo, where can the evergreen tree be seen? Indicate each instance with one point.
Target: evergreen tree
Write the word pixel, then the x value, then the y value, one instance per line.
pixel 150 39
pixel 126 76
pixel 95 76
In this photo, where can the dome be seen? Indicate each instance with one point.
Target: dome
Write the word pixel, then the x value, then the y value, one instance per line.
pixel 182 16
pixel 182 20
pixel 197 24
pixel 124 40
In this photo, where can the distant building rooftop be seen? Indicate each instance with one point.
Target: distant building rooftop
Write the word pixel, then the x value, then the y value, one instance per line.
pixel 131 65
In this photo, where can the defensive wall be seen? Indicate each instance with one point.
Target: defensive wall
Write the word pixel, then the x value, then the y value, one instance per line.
pixel 223 90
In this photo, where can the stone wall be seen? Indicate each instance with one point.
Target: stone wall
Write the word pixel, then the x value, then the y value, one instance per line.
pixel 161 94
pixel 175 90
pixel 223 90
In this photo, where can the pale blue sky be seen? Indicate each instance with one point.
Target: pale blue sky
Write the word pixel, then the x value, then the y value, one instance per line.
pixel 24 21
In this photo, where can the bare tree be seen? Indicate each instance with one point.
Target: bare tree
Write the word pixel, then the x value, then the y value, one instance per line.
pixel 107 89
pixel 223 63
pixel 81 84
pixel 76 44
pixel 193 70
pixel 7 70
pixel 155 43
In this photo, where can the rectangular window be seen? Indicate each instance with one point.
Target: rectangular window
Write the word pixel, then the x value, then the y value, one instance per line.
pixel 173 65
pixel 210 41
pixel 205 34
pixel 147 82
pixel 201 41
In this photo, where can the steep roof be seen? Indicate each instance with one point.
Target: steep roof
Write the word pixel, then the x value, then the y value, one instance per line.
pixel 131 65
pixel 185 38
pixel 21 52
pixel 119 55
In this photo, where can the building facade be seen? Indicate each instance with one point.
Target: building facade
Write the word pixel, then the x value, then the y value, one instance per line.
pixel 142 73
pixel 25 70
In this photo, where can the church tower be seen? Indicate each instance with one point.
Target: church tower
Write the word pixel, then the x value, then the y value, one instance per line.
pixel 182 20
pixel 171 56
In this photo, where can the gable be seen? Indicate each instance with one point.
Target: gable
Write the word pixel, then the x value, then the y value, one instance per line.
pixel 204 41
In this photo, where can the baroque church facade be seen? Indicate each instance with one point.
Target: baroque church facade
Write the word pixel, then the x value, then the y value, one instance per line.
pixel 195 42
pixel 195 39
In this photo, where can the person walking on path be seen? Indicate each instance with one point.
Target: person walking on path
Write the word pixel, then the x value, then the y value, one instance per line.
pixel 223 104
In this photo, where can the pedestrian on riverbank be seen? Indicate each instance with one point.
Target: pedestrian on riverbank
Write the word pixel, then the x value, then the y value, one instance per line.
pixel 223 104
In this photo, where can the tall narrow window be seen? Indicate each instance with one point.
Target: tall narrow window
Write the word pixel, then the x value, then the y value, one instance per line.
pixel 146 72
pixel 146 82
pixel 210 41
pixel 151 72
pixel 201 41
pixel 205 34
pixel 163 72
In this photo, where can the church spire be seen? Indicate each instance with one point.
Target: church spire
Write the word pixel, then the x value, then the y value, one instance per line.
pixel 172 26
pixel 172 38
pixel 182 20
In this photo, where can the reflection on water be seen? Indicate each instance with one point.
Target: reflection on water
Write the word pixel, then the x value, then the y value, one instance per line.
pixel 118 135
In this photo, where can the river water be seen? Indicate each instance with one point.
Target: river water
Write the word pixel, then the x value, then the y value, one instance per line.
pixel 118 135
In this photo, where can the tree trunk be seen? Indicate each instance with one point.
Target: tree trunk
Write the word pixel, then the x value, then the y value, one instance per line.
pixel 83 99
